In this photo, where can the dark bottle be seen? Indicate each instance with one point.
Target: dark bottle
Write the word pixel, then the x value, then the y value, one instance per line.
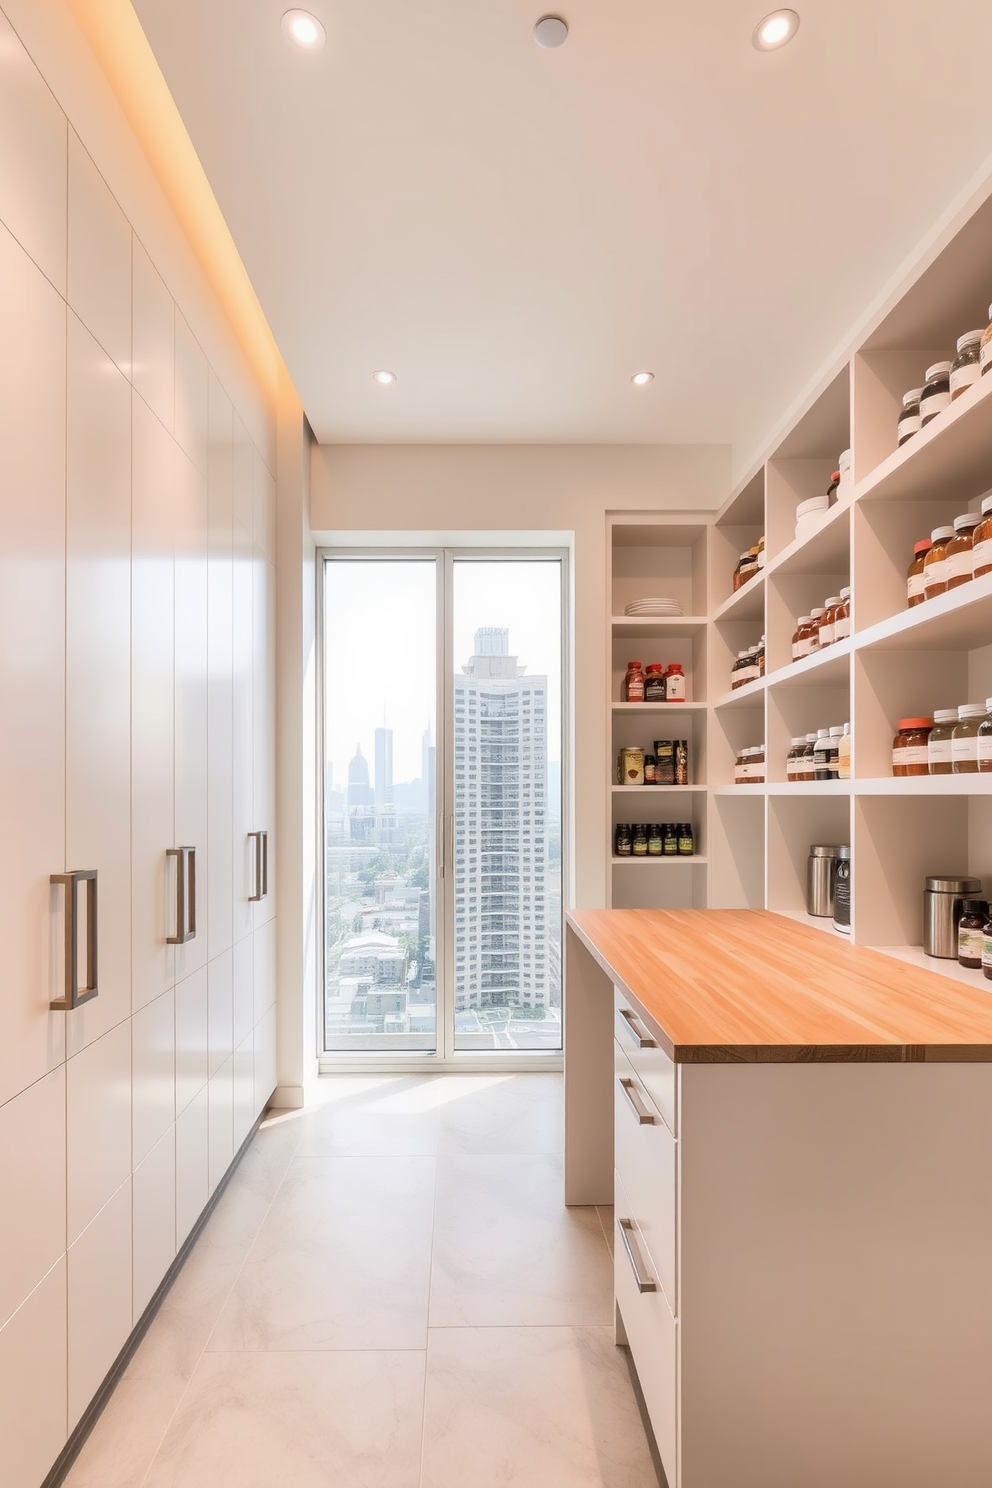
pixel 971 933
pixel 681 762
pixel 623 845
pixel 670 841
pixel 686 844
pixel 639 841
pixel 655 841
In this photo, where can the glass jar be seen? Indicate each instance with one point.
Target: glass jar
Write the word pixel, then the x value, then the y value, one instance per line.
pixel 749 565
pixel 739 571
pixel 909 747
pixel 687 845
pixel 936 394
pixel 908 422
pixel 821 755
pixel 939 744
pixel 639 838
pixel 964 742
pixel 761 657
pixel 981 543
pixel 828 625
pixel 623 842
pixel 758 764
pixel 654 683
pixel 915 593
pixel 674 683
pixel 985 741
pixel 985 348
pixel 833 756
pixel 655 841
pixel 737 676
pixel 739 767
pixel 934 565
pixel 844 754
pixel 966 367
pixel 630 765
pixel 670 840
pixel 800 647
pixel 808 762
pixel 842 620
pixel 793 760
pixel 971 933
pixel 959 553
pixel 633 683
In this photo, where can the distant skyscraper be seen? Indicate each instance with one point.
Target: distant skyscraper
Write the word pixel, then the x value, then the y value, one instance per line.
pixel 501 835
pixel 383 768
pixel 359 790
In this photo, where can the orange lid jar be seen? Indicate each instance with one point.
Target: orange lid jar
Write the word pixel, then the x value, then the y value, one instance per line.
pixel 909 747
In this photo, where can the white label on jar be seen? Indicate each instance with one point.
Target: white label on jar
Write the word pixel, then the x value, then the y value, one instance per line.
pixel 985 748
pixel 932 404
pixel 971 944
pixel 827 635
pixel 842 628
pixel 965 749
pixel 939 752
pixel 987 951
pixel 981 553
pixel 675 689
pixel 911 754
pixel 914 586
pixel 934 573
pixel 803 648
pixel 908 426
pixel 959 565
pixel 964 376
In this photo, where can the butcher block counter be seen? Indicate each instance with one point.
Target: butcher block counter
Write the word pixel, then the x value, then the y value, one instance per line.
pixel 796 1135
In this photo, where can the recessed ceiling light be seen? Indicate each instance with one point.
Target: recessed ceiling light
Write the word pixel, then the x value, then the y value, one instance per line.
pixel 551 31
pixel 384 378
pixel 775 30
pixel 304 30
pixel 641 379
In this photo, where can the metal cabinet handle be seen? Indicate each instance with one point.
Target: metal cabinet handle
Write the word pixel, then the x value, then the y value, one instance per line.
pixel 261 841
pixel 644 1117
pixel 641 1039
pixel 442 861
pixel 76 995
pixel 644 1283
pixel 185 894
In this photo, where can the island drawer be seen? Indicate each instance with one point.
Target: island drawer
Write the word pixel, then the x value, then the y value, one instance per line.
pixel 652 1333
pixel 646 1155
pixel 650 1062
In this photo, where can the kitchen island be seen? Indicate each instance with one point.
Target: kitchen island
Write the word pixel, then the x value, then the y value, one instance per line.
pixel 797 1136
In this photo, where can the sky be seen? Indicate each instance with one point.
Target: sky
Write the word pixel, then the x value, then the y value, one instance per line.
pixel 381 646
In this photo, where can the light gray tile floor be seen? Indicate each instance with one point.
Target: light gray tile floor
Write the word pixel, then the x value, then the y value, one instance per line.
pixel 390 1294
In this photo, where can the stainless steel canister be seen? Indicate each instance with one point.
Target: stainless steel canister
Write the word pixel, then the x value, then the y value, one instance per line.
pixel 821 876
pixel 941 912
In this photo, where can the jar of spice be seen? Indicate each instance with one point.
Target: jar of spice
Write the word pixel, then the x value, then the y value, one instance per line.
pixel 964 742
pixel 915 592
pixel 909 416
pixel 793 759
pixel 739 571
pixel 761 657
pixel 758 764
pixel 985 347
pixel 981 549
pixel 966 367
pixel 934 564
pixel 800 640
pixel 808 762
pixel 985 741
pixel 909 747
pixel 936 394
pixel 738 677
pixel 749 565
pixel 654 683
pixel 939 743
pixel 633 683
pixel 959 555
pixel 971 933
pixel 739 767
pixel 816 620
pixel 674 683
pixel 842 619
pixel 828 625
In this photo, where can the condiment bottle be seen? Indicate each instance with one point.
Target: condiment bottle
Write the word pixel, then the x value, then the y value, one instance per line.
pixel 654 683
pixel 828 625
pixel 739 572
pixel 640 840
pixel 985 742
pixel 939 744
pixel 959 554
pixel 934 569
pixel 670 840
pixel 844 754
pixel 815 620
pixel 650 770
pixel 842 620
pixel 971 933
pixel 687 846
pixel 909 416
pixel 915 592
pixel 964 742
pixel 821 755
pixel 622 842
pixel 633 683
pixel 985 347
pixel 674 683
pixel 966 367
pixel 749 565
pixel 909 747
pixel 809 759
pixel 936 394
pixel 800 647
pixel 981 544
pixel 793 760
pixel 655 841
pixel 833 756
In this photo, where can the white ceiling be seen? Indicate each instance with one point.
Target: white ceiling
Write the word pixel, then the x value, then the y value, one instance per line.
pixel 515 231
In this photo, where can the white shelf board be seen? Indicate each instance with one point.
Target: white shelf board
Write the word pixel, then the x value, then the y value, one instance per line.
pixel 827 550
pixel 681 861
pixel 829 667
pixel 678 627
pixel 950 457
pixel 748 603
pixel 654 790
pixel 751 692
pixel 809 788
pixel 739 790
pixel 914 955
pixel 925 785
pixel 655 708
pixel 958 621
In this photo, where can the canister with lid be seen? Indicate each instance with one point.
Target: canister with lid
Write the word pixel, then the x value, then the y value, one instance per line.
pixel 966 367
pixel 654 683
pixel 674 683
pixel 934 564
pixel 981 545
pixel 936 394
pixel 630 767
pixel 964 741
pixel 800 640
pixel 816 620
pixel 939 743
pixel 909 416
pixel 942 911
pixel 821 878
pixel 633 683
pixel 910 755
pixel 842 893
pixel 959 556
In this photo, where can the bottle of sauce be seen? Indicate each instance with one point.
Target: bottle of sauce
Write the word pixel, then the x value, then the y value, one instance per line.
pixel 844 754
pixel 655 841
pixel 959 555
pixel 985 742
pixel 640 840
pixel 971 933
pixel 674 683
pixel 981 549
pixel 654 683
pixel 670 840
pixel 934 564
pixel 622 843
pixel 821 755
pixel 939 744
pixel 910 754
pixel 966 367
pixel 633 683
pixel 964 742
pixel 687 846
pixel 909 416
pixel 650 770
pixel 915 593
pixel 936 394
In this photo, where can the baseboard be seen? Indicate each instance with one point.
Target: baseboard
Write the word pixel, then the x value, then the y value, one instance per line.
pixel 94 1410
pixel 288 1098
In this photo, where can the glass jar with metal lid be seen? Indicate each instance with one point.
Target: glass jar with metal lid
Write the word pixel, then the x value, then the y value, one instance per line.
pixel 966 367
pixel 934 564
pixel 959 554
pixel 909 747
pixel 939 744
pixel 936 394
pixel 908 423
pixel 964 742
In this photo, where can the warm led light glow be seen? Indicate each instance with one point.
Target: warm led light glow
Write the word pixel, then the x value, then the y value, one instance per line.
pixel 641 379
pixel 775 30
pixel 304 29
pixel 384 378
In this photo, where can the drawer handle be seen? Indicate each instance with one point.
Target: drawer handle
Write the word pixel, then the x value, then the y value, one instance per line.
pixel 641 1039
pixel 644 1283
pixel 644 1117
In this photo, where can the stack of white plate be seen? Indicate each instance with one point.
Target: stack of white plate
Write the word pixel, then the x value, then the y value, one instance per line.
pixel 655 609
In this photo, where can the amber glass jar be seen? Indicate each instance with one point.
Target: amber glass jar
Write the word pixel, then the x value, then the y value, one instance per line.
pixel 959 554
pixel 936 394
pixel 915 593
pixel 842 619
pixel 738 579
pixel 828 625
pixel 934 564
pixel 909 416
pixel 985 742
pixel 966 367
pixel 793 760
pixel 800 647
pixel 964 744
pixel 939 746
pixel 909 747
pixel 981 550
pixel 739 675
pixel 749 565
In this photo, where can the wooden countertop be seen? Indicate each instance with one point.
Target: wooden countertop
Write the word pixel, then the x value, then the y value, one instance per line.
pixel 745 985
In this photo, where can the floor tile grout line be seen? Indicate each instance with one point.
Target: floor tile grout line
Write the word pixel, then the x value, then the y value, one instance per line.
pixel 427 1339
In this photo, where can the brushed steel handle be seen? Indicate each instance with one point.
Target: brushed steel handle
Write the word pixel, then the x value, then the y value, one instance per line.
pixel 75 995
pixel 185 894
pixel 641 1039
pixel 440 845
pixel 644 1283
pixel 644 1117
pixel 261 864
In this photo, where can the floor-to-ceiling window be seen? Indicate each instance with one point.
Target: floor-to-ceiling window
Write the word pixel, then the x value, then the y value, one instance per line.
pixel 442 745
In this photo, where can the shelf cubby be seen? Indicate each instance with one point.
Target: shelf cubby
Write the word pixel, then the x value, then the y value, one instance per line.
pixel 794 824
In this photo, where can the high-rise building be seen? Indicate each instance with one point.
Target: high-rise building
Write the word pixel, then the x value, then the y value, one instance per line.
pixel 501 831
pixel 383 768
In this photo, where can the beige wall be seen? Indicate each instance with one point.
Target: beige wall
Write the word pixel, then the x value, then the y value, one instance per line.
pixel 365 492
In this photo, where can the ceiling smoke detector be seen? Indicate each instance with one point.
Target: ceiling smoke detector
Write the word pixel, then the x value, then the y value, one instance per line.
pixel 551 31
pixel 304 30
pixel 775 30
